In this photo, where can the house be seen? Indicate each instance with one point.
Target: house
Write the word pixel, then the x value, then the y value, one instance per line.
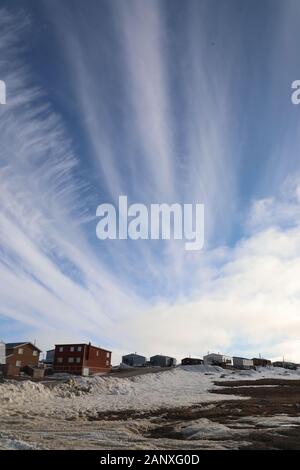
pixel 134 360
pixel 162 361
pixel 285 365
pixel 260 362
pixel 191 361
pixel 81 359
pixel 242 363
pixel 19 356
pixel 214 359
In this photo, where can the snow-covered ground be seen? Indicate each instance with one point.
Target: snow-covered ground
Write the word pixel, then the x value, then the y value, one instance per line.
pixel 85 397
pixel 183 386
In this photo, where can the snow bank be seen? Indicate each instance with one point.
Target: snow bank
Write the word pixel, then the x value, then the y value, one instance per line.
pixel 82 396
pixel 78 396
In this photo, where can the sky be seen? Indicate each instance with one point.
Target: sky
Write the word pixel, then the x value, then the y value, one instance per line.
pixel 163 101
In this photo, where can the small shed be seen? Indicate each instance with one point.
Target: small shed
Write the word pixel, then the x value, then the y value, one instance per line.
pixel 34 372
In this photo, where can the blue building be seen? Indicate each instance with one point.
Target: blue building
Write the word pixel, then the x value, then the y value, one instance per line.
pixel 134 360
pixel 162 361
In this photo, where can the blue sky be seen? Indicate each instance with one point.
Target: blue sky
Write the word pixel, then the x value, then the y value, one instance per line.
pixel 163 101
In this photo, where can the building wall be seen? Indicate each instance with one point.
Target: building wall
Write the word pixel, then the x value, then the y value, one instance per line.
pixel 242 362
pixel 50 355
pixel 212 359
pixel 217 359
pixel 96 359
pixel 10 370
pixel 134 360
pixel 189 361
pixel 84 356
pixel 261 362
pixel 162 361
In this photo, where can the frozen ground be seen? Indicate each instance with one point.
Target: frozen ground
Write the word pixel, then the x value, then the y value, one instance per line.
pixel 170 409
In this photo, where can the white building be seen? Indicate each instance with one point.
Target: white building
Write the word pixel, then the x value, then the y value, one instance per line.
pixel 242 363
pixel 217 360
pixel 2 353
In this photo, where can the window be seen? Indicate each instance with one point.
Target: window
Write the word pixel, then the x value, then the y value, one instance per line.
pixel 97 353
pixel 59 359
pixel 77 359
pixel 108 355
pixel 107 363
pixel 60 348
pixel 20 351
pixel 70 359
pixel 72 348
pixel 79 349
pixel 18 363
pixel 35 353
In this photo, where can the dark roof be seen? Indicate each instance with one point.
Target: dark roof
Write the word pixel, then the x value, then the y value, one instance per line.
pixel 15 345
pixel 194 358
pixel 162 355
pixel 82 344
pixel 133 355
pixel 242 358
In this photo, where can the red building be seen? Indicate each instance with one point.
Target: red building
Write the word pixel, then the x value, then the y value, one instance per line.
pixel 81 359
pixel 19 356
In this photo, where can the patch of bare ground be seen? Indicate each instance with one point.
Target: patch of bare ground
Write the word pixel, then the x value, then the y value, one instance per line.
pixel 264 420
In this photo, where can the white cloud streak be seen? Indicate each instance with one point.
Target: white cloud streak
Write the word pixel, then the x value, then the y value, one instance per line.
pixel 243 299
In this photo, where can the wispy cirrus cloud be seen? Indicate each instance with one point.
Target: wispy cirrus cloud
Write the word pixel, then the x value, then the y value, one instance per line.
pixel 160 120
pixel 49 276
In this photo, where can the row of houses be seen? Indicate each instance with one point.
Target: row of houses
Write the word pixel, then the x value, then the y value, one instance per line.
pixel 214 359
pixel 86 359
pixel 217 359
pixel 80 359
pixel 136 360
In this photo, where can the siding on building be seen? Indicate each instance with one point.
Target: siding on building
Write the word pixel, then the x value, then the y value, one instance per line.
pixel 218 360
pixel 260 362
pixel 134 360
pixel 162 361
pixel 50 356
pixel 191 361
pixel 242 362
pixel 81 359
